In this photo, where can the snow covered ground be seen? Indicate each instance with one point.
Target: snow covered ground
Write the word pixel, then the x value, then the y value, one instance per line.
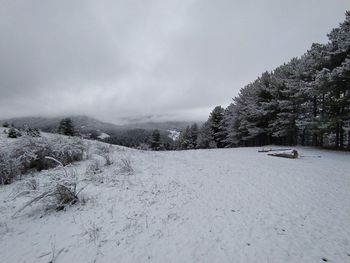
pixel 228 205
pixel 103 136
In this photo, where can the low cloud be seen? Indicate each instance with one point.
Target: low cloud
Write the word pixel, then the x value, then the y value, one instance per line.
pixel 171 60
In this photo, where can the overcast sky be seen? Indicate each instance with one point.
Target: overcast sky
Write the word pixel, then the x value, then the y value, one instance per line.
pixel 173 60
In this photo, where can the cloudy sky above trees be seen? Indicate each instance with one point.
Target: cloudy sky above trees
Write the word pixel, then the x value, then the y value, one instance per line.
pixel 157 59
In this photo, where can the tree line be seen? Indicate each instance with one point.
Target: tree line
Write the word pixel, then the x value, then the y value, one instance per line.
pixel 305 101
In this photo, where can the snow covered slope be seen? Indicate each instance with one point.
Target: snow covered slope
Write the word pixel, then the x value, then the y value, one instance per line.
pixel 229 205
pixel 103 136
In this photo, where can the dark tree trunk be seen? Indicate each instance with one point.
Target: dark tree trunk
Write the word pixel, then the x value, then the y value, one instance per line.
pixel 314 139
pixel 314 109
pixel 303 138
pixel 315 106
pixel 341 135
pixel 336 135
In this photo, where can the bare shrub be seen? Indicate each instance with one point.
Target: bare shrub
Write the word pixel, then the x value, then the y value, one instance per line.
pixel 94 167
pixel 125 166
pixel 9 168
pixel 54 253
pixel 68 150
pixel 124 173
pixel 106 151
pixel 28 154
pixel 58 194
pixel 13 133
pixel 94 171
pixel 26 187
pixel 65 196
pixel 92 231
pixel 33 132
pixel 32 184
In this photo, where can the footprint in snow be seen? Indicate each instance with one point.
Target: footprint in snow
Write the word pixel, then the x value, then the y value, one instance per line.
pixel 280 231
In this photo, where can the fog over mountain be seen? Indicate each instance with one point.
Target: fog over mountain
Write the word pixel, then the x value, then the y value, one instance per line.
pixel 84 124
pixel 158 60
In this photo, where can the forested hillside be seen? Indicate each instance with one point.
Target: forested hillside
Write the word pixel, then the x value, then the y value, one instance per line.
pixel 305 101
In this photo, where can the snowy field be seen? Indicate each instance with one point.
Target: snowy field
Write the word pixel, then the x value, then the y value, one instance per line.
pixel 229 205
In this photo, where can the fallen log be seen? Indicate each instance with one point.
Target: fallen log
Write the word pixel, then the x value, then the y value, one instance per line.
pixel 311 156
pixel 272 150
pixel 264 150
pixel 292 155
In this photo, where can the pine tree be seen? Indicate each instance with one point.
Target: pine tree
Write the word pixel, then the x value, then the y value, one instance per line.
pixel 185 139
pixel 205 137
pixel 66 127
pixel 215 123
pixel 193 136
pixel 232 138
pixel 13 133
pixel 155 141
pixel 188 138
pixel 306 100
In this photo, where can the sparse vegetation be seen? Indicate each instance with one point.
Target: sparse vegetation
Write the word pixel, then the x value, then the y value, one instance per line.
pixel 33 132
pixel 94 167
pixel 155 141
pixel 106 151
pixel 28 154
pixel 139 138
pixel 56 195
pixel 13 133
pixel 125 166
pixel 94 171
pixel 66 127
pixel 92 231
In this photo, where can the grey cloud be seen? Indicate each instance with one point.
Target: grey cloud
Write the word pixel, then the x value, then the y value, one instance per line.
pixel 171 59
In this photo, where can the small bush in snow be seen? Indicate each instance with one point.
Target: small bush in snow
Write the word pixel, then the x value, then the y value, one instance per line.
pixel 125 166
pixel 28 154
pixel 94 168
pixel 94 172
pixel 58 194
pixel 13 133
pixel 107 153
pixel 9 168
pixel 144 147
pixel 66 127
pixel 65 196
pixel 32 184
pixel 92 231
pixel 32 132
pixel 68 150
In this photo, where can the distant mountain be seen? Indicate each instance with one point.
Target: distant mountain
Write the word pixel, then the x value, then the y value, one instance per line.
pixel 85 124
pixel 81 124
pixel 164 126
pixel 45 124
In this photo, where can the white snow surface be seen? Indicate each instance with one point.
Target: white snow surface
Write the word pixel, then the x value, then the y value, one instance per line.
pixel 103 136
pixel 223 205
